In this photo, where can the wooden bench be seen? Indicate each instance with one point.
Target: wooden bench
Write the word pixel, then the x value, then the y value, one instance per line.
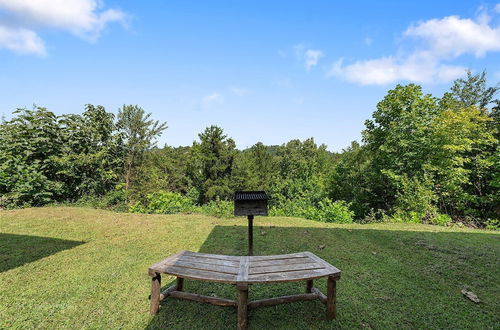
pixel 241 272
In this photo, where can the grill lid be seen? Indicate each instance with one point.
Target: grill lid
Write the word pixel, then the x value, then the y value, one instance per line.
pixel 250 195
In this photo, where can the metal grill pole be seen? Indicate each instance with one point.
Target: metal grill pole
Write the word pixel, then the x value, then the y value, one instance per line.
pixel 250 235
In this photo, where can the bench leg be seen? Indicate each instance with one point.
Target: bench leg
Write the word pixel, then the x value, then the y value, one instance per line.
pixel 242 308
pixel 309 286
pixel 155 293
pixel 180 284
pixel 331 299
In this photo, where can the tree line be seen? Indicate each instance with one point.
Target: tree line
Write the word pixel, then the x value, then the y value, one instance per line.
pixel 422 158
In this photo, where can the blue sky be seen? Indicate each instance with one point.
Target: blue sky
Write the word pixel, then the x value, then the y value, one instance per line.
pixel 265 71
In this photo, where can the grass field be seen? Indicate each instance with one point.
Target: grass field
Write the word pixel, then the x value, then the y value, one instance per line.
pixel 63 267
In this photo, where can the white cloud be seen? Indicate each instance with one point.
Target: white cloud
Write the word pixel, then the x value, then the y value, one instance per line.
pixel 368 41
pixel 497 8
pixel 83 18
pixel 214 98
pixel 239 91
pixel 310 57
pixel 453 36
pixel 386 70
pixel 438 40
pixel 21 41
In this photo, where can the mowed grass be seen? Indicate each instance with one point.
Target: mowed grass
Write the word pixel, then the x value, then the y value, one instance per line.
pixel 64 267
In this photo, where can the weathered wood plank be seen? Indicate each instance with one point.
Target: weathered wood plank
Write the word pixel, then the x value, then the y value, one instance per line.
pixel 204 299
pixel 282 300
pixel 285 268
pixel 160 264
pixel 278 256
pixel 202 275
pixel 243 271
pixel 333 269
pixel 320 295
pixel 201 266
pixel 275 262
pixel 212 256
pixel 288 276
pixel 208 261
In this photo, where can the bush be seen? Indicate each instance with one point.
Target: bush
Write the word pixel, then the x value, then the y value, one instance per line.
pixel 441 220
pixel 137 207
pixel 493 224
pixel 218 208
pixel 326 211
pixel 337 212
pixel 163 202
pixel 406 217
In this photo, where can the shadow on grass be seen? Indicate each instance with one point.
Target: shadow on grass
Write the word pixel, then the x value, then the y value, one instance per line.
pixel 17 250
pixel 390 279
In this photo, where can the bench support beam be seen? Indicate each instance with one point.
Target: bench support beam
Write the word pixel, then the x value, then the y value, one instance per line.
pixel 282 300
pixel 204 299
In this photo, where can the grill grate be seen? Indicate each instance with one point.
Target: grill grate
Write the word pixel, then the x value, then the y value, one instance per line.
pixel 250 195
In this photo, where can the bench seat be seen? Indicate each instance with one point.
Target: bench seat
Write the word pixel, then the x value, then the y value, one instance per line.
pixel 252 269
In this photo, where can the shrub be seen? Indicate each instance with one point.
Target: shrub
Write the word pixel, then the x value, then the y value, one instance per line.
pixel 218 208
pixel 493 224
pixel 406 216
pixel 326 211
pixel 441 220
pixel 163 202
pixel 137 207
pixel 337 212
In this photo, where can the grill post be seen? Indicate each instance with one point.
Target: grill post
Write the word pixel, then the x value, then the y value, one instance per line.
pixel 250 235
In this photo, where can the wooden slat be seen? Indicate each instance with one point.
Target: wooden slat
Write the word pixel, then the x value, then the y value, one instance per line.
pixel 212 256
pixel 285 268
pixel 243 270
pixel 282 300
pixel 229 263
pixel 333 270
pixel 278 256
pixel 288 276
pixel 202 275
pixel 254 264
pixel 204 299
pixel 208 267
pixel 161 264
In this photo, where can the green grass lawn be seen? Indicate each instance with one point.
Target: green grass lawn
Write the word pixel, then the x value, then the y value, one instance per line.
pixel 64 267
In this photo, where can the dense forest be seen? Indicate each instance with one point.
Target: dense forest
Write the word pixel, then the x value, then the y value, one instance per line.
pixel 422 158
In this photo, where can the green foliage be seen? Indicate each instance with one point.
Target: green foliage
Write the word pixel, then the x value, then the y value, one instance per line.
pixel 492 224
pixel 46 158
pixel 473 90
pixel 212 164
pixel 423 159
pixel 441 220
pixel 163 202
pixel 325 211
pixel 139 133
pixel 337 212
pixel 217 208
